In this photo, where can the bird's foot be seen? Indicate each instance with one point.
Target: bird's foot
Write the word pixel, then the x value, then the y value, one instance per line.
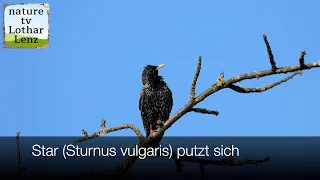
pixel 160 124
pixel 152 131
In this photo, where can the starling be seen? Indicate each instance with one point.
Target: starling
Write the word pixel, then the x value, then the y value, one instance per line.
pixel 155 101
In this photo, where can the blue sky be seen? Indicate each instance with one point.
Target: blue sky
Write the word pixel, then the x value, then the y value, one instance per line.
pixel 92 69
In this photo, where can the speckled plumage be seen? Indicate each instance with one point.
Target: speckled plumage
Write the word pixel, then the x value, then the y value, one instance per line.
pixel 156 100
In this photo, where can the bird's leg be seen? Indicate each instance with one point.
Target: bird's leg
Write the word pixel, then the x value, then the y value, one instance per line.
pixel 152 131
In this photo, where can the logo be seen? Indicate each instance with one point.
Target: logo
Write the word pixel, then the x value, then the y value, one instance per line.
pixel 26 25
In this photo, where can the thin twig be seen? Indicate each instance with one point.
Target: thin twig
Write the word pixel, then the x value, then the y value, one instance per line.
pixel 271 58
pixel 18 154
pixel 204 111
pixel 220 80
pixel 301 58
pixel 103 124
pixel 261 89
pixel 195 79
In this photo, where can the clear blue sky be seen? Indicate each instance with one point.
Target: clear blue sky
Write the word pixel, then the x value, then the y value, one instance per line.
pixel 93 67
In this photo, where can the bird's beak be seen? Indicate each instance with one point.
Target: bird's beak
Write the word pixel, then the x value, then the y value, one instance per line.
pixel 160 66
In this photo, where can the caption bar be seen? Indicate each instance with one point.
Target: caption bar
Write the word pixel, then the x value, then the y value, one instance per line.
pixel 70 150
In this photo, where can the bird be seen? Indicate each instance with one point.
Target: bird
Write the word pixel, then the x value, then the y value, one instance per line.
pixel 156 101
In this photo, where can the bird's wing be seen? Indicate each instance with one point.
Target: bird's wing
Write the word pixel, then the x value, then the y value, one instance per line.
pixel 142 100
pixel 168 101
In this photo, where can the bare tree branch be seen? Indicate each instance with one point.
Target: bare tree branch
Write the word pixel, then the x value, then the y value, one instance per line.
pixel 227 83
pixel 204 111
pixel 127 163
pixel 220 84
pixel 195 79
pixel 224 162
pixel 105 130
pixel 215 88
pixel 271 58
pixel 264 88
pixel 264 73
pixel 202 162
